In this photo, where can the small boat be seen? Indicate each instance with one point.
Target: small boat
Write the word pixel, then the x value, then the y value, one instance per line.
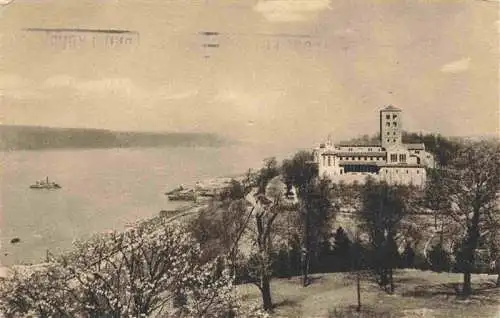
pixel 184 195
pixel 45 184
pixel 176 190
pixel 15 240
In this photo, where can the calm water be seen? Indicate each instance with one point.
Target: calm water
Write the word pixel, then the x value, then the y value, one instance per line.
pixel 101 189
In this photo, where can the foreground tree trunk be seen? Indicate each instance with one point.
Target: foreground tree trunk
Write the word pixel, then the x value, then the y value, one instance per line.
pixel 305 251
pixel 391 280
pixel 266 292
pixel 495 269
pixel 358 290
pixel 305 268
pixel 468 266
pixel 470 250
pixel 289 265
pixel 384 279
pixel 467 289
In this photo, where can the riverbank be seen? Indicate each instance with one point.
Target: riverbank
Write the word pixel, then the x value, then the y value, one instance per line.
pixel 102 190
pixel 178 215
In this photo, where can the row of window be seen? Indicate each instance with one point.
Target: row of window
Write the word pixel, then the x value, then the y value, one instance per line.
pixel 353 159
pixel 397 171
pixel 394 116
pixel 394 157
pixel 388 124
pixel 361 158
pixel 369 149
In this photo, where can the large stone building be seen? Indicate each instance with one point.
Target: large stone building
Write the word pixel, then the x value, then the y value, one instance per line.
pixel 387 159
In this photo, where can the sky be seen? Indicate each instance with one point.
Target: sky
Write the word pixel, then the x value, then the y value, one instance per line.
pixel 275 71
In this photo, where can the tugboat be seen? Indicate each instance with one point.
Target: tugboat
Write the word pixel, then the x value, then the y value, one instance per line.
pixel 45 184
pixel 185 195
pixel 181 194
pixel 176 190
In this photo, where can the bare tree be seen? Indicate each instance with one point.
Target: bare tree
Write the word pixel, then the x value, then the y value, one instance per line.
pixel 267 208
pixel 473 181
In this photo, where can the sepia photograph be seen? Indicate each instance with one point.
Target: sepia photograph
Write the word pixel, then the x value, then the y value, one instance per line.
pixel 249 158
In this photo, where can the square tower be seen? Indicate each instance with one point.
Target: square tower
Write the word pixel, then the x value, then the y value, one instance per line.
pixel 391 130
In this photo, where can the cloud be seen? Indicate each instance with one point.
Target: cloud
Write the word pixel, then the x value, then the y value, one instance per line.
pixel 456 66
pixel 5 2
pixel 290 10
pixel 344 32
pixel 168 94
pixel 8 81
pixel 16 87
pixel 117 87
pixel 106 86
pixel 242 103
pixel 60 81
pixel 247 106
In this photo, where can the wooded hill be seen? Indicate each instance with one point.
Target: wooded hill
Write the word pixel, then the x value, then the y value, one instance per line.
pixel 36 138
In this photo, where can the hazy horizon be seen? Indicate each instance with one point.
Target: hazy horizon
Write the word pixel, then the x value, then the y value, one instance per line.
pixel 275 71
pixel 355 136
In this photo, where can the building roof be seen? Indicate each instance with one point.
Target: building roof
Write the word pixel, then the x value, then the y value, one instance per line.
pixel 359 144
pixel 415 146
pixel 360 163
pixel 391 109
pixel 355 154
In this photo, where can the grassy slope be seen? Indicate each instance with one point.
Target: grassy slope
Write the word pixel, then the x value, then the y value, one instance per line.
pixel 418 294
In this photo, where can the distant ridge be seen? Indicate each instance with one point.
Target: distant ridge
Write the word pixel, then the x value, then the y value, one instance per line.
pixel 39 137
pixel 109 31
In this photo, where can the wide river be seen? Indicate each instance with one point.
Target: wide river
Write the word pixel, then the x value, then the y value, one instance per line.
pixel 102 189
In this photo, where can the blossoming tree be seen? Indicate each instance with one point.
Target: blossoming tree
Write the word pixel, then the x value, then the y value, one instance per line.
pixel 150 270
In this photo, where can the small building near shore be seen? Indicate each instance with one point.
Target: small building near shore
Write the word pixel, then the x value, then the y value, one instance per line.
pixel 388 159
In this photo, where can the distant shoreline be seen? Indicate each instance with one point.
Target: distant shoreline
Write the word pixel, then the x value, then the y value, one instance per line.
pixel 110 148
pixel 13 138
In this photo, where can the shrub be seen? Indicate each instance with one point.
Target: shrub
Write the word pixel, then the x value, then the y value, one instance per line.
pixel 439 259
pixel 408 257
pixel 420 262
